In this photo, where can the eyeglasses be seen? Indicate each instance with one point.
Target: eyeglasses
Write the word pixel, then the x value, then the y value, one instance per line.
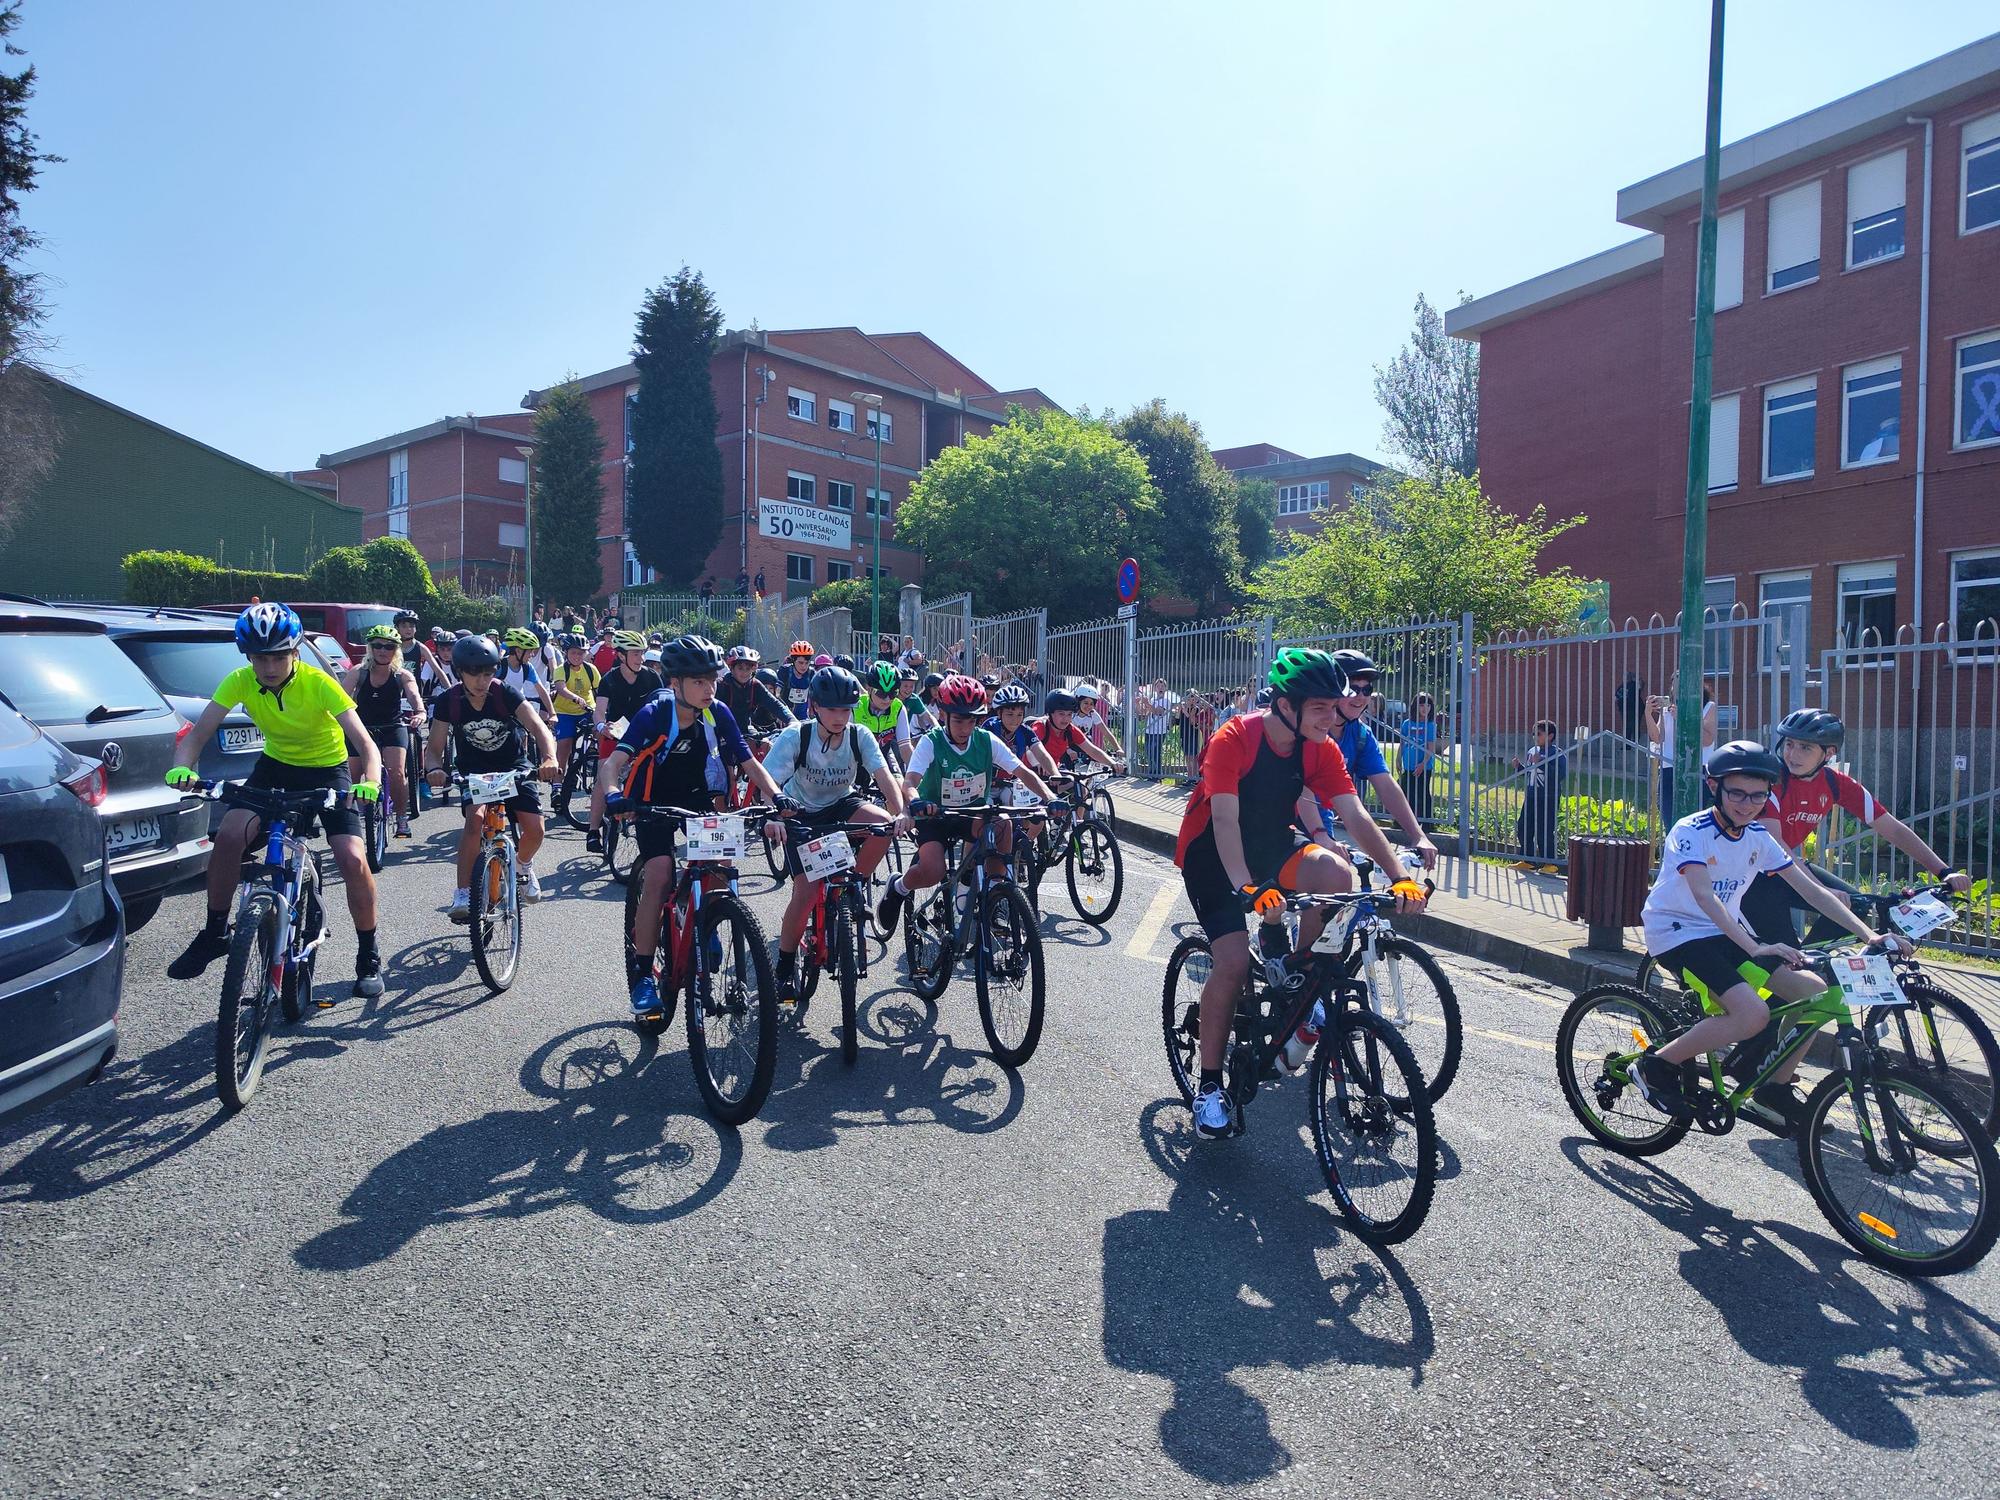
pixel 1740 795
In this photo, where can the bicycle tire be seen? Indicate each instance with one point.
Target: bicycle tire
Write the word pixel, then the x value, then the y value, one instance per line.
pixel 927 934
pixel 775 859
pixel 1596 1087
pixel 296 988
pixel 579 785
pixel 844 953
pixel 374 834
pixel 1180 1011
pixel 878 887
pixel 1928 1055
pixel 621 850
pixel 1975 1155
pixel 1439 1063
pixel 1092 840
pixel 242 1021
pixel 756 1015
pixel 663 964
pixel 1354 1097
pixel 1101 806
pixel 496 914
pixel 1005 914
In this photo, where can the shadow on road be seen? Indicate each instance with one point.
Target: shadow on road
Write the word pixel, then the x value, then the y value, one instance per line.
pixel 1860 1354
pixel 1243 1269
pixel 606 1141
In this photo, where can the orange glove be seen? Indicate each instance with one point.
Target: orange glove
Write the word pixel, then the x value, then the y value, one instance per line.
pixel 1409 890
pixel 1264 899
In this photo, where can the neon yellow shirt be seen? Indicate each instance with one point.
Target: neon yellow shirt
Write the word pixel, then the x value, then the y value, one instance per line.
pixel 298 720
pixel 575 689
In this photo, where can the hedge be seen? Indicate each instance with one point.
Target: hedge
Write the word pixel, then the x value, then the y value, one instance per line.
pixel 386 571
pixel 178 578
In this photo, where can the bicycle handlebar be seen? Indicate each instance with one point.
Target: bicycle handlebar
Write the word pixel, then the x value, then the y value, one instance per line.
pixel 262 798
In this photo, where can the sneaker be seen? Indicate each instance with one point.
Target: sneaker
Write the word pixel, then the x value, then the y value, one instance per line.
pixel 202 950
pixel 593 842
pixel 461 905
pixel 1272 940
pixel 531 891
pixel 889 908
pixel 1550 870
pixel 1214 1113
pixel 1780 1099
pixel 367 977
pixel 403 828
pixel 1659 1084
pixel 646 999
pixel 1521 864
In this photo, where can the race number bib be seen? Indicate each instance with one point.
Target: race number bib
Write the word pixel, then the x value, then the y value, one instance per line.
pixel 826 856
pixel 1869 979
pixel 1920 915
pixel 1018 795
pixel 482 787
pixel 963 788
pixel 715 838
pixel 616 728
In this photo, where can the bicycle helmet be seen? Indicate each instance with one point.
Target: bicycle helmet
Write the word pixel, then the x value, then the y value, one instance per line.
pixel 800 648
pixel 744 653
pixel 268 627
pixel 382 633
pixel 1300 672
pixel 1745 758
pixel 656 639
pixel 931 682
pixel 768 677
pixel 572 642
pixel 691 656
pixel 1061 701
pixel 906 674
pixel 1358 664
pixel 844 662
pixel 822 660
pixel 474 653
pixel 833 687
pixel 961 695
pixel 628 640
pixel 439 635
pixel 1013 695
pixel 1811 725
pixel 883 677
pixel 519 639
pixel 406 614
pixel 1086 692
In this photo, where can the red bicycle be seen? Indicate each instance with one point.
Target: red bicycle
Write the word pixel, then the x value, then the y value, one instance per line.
pixel 832 940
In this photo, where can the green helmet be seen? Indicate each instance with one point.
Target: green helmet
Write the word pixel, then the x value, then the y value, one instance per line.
pixel 518 639
pixel 1300 672
pixel 883 677
pixel 381 633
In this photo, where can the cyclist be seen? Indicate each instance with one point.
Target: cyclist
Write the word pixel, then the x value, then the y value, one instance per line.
pixel 954 765
pixel 492 728
pixel 520 673
pixel 309 726
pixel 883 715
pixel 1009 724
pixel 754 707
pixel 1264 773
pixel 1806 741
pixel 574 693
pixel 680 750
pixel 381 687
pixel 604 655
pixel 622 691
pixel 1062 737
pixel 1092 721
pixel 817 763
pixel 922 720
pixel 418 659
pixel 1693 925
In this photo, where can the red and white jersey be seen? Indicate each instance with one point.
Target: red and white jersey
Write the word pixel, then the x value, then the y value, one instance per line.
pixel 1802 801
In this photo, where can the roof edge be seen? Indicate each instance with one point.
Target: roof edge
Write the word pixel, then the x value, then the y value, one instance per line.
pixel 1594 273
pixel 429 430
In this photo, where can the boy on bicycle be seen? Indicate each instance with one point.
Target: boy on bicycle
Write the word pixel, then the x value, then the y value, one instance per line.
pixel 1693 926
pixel 309 727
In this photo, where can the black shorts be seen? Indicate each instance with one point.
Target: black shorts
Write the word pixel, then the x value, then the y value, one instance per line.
pixel 656 836
pixel 527 796
pixel 1713 960
pixel 276 776
pixel 394 736
pixel 796 828
pixel 946 828
pixel 1218 906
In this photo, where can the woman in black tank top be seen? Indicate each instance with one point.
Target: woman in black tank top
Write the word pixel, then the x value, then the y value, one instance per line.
pixel 380 705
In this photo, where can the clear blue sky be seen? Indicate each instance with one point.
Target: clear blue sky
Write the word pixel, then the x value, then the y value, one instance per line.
pixel 288 228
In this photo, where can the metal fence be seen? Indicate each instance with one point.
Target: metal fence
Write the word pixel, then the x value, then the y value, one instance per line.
pixel 832 631
pixel 656 611
pixel 772 623
pixel 1186 678
pixel 1009 640
pixel 943 627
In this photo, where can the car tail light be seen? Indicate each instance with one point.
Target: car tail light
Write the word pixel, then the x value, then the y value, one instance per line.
pixel 90 785
pixel 183 732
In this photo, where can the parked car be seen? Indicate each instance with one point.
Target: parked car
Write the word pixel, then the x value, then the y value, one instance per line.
pixel 62 930
pixel 59 669
pixel 330 654
pixel 346 623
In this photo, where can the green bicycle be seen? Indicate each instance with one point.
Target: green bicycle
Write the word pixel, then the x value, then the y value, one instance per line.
pixel 1899 1165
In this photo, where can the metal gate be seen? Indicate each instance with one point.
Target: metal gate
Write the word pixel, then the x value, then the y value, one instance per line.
pixel 943 628
pixel 1018 640
pixel 832 631
pixel 771 624
pixel 1100 652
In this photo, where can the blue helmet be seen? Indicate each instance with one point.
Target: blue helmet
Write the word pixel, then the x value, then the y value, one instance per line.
pixel 268 627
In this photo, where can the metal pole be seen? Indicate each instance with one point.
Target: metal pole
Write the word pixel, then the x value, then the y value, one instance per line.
pixel 875 612
pixel 1694 557
pixel 528 510
pixel 1462 752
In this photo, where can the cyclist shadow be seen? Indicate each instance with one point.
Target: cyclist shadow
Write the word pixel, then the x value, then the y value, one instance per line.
pixel 1858 1354
pixel 602 1141
pixel 1246 1266
pixel 582 875
pixel 1071 930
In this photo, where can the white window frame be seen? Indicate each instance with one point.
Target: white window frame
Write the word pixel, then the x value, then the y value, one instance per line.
pixel 520 464
pixel 874 497
pixel 1728 259
pixel 1958 374
pixel 879 416
pixel 1868 369
pixel 1304 497
pixel 398 506
pixel 1718 645
pixel 801 489
pixel 801 405
pixel 519 530
pixel 1798 643
pixel 1725 414
pixel 1772 270
pixel 1861 581
pixel 839 415
pixel 1901 157
pixel 1975 141
pixel 635 575
pixel 805 561
pixel 1970 657
pixel 838 571
pixel 840 495
pixel 1779 390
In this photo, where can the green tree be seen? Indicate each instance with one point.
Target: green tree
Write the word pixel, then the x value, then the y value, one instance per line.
pixel 1415 545
pixel 675 479
pixel 1430 391
pixel 1256 521
pixel 853 593
pixel 387 570
pixel 569 496
pixel 1197 526
pixel 28 430
pixel 1038 513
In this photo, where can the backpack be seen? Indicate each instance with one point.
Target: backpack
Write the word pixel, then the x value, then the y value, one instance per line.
pixel 647 759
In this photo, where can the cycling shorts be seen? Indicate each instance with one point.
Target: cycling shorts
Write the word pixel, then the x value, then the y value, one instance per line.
pixel 947 827
pixel 1715 961
pixel 568 726
pixel 394 736
pixel 278 776
pixel 1218 905
pixel 802 828
pixel 527 796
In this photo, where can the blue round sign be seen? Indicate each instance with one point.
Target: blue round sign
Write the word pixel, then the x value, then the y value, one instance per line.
pixel 1128 581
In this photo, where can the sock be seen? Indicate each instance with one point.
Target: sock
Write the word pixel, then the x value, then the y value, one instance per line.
pixel 896 885
pixel 1210 1078
pixel 786 961
pixel 218 922
pixel 461 895
pixel 365 941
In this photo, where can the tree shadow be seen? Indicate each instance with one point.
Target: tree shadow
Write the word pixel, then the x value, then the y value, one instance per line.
pixel 603 1141
pixel 1244 1267
pixel 1860 1355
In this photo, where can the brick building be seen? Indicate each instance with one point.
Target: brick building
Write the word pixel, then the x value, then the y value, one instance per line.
pixel 1854 471
pixel 1306 486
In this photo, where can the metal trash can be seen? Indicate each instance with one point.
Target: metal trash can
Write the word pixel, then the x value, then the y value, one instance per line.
pixel 1608 878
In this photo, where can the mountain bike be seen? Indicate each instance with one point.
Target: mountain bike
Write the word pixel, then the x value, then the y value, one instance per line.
pixel 1902 1170
pixel 1084 844
pixel 274 944
pixel 732 1004
pixel 989 918
pixel 837 919
pixel 579 780
pixel 1373 1129
pixel 495 924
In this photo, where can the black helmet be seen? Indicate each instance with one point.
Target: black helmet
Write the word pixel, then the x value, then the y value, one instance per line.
pixel 1061 700
pixel 406 614
pixel 690 656
pixel 768 677
pixel 474 653
pixel 1813 726
pixel 833 687
pixel 1745 758
pixel 1356 663
pixel 931 681
pixel 844 662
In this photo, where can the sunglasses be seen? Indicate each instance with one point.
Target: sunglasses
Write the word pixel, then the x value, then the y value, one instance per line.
pixel 1360 687
pixel 381 645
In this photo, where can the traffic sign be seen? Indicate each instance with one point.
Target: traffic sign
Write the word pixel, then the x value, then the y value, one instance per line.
pixel 1128 611
pixel 1128 581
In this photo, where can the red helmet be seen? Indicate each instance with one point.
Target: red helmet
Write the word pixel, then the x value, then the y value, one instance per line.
pixel 801 648
pixel 961 695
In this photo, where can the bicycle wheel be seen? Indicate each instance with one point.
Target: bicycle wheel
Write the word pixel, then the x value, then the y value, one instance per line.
pixel 1603 1030
pixel 1940 1037
pixel 1007 972
pixel 296 988
pixel 578 783
pixel 374 834
pixel 1408 989
pixel 1654 980
pixel 621 850
pixel 249 991
pixel 1372 1127
pixel 878 887
pixel 732 1012
pixel 844 955
pixel 774 857
pixel 1902 1198
pixel 1094 870
pixel 663 961
pixel 496 920
pixel 1180 1011
pixel 927 941
pixel 1104 809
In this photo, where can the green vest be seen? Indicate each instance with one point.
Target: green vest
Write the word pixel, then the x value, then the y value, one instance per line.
pixel 976 760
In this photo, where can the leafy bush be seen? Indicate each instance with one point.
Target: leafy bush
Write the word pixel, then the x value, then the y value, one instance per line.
pixel 180 578
pixel 386 571
pixel 853 593
pixel 454 609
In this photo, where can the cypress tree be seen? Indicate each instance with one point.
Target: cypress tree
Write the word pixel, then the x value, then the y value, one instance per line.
pixel 568 497
pixel 675 510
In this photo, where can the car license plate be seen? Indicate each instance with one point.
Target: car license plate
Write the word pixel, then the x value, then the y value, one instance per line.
pixel 131 833
pixel 237 737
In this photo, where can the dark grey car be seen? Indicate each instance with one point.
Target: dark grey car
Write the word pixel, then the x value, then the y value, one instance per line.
pixel 62 934
pixel 59 669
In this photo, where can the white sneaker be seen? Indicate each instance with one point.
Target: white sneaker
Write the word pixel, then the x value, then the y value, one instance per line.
pixel 532 890
pixel 1214 1113
pixel 461 905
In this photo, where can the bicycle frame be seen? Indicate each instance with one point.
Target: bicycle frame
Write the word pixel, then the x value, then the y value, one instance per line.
pixel 680 906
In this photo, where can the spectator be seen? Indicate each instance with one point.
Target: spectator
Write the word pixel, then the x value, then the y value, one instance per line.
pixel 1418 755
pixel 1660 731
pixel 955 657
pixel 1547 770
pixel 1196 716
pixel 1031 679
pixel 1156 705
pixel 904 657
pixel 1631 695
pixel 707 592
pixel 742 584
pixel 758 585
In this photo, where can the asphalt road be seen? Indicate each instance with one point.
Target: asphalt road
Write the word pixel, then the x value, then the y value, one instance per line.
pixel 464 1244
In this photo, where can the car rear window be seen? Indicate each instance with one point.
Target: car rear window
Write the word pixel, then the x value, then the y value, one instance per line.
pixel 185 669
pixel 60 677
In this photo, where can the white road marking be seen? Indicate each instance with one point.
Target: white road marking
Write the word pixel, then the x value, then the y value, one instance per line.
pixel 1147 932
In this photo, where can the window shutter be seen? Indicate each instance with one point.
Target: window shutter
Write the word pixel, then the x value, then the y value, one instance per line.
pixel 1794 228
pixel 1982 132
pixel 1728 260
pixel 1876 186
pixel 1725 425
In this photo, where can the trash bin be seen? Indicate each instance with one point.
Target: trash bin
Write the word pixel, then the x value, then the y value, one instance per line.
pixel 1607 886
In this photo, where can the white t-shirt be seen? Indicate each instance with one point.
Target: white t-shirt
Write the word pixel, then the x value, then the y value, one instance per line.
pixel 814 775
pixel 523 679
pixel 1092 726
pixel 1671 916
